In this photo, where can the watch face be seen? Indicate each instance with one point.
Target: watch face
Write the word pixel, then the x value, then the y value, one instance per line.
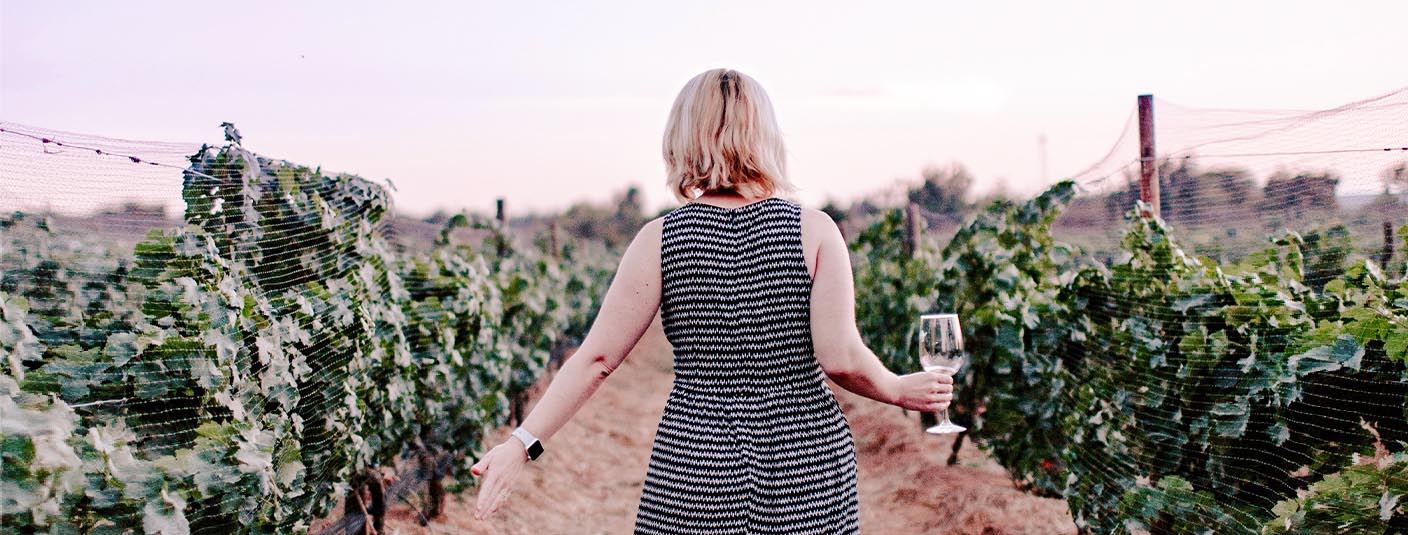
pixel 535 450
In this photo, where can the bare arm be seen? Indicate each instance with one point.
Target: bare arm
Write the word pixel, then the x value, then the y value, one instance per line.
pixel 839 347
pixel 626 312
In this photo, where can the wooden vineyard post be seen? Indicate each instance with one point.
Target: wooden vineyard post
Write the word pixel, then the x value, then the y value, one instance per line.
pixel 435 484
pixel 366 498
pixel 518 403
pixel 1387 255
pixel 911 230
pixel 501 219
pixel 1148 164
pixel 553 246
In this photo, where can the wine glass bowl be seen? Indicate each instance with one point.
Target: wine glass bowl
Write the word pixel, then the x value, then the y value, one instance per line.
pixel 941 351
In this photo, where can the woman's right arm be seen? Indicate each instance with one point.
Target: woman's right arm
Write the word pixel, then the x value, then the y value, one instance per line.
pixel 836 341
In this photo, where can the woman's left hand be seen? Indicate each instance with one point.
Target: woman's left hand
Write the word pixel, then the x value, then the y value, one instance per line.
pixel 500 468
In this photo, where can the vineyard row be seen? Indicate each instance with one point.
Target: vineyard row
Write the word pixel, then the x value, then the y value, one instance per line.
pixel 239 374
pixel 1160 392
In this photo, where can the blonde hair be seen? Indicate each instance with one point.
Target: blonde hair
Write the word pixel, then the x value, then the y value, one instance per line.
pixel 722 135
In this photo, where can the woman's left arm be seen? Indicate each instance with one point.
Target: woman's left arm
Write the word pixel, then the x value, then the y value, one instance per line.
pixel 626 312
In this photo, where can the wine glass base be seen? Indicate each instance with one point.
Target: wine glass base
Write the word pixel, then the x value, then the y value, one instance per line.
pixel 945 428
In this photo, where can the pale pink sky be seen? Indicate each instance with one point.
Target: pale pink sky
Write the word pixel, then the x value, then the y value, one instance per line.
pixel 551 102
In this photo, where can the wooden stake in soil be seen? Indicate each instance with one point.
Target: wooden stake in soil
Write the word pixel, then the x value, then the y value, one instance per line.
pixel 1148 166
pixel 911 230
pixel 553 247
pixel 1387 255
pixel 435 499
pixel 501 218
pixel 366 497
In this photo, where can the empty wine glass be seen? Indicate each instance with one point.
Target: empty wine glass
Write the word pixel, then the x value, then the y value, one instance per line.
pixel 941 351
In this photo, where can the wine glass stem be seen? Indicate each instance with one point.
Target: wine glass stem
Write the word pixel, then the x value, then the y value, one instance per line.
pixel 943 417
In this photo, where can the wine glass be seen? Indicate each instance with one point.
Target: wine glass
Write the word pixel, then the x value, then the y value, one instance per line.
pixel 941 351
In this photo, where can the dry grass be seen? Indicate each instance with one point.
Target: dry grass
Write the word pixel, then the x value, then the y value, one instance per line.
pixel 590 479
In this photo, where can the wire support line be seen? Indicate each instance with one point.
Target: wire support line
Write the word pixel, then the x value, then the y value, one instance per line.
pixel 1366 104
pixel 99 402
pixel 47 140
pixel 134 159
pixel 1286 153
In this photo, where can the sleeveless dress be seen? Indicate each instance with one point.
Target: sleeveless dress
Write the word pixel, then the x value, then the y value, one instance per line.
pixel 751 439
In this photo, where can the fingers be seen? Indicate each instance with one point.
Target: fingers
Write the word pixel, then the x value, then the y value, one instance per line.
pixel 936 402
pixel 940 383
pixel 478 470
pixel 931 406
pixel 488 493
pixel 930 403
pixel 929 391
pixel 488 488
pixel 498 481
pixel 491 499
pixel 500 499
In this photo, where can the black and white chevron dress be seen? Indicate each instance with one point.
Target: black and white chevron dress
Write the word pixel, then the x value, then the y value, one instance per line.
pixel 751 439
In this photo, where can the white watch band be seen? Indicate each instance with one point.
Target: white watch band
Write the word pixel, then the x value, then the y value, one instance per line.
pixel 528 440
pixel 524 436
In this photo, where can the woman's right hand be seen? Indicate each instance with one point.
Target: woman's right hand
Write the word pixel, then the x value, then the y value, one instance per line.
pixel 924 391
pixel 500 468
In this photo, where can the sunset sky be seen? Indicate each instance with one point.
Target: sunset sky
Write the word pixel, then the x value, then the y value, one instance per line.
pixel 552 102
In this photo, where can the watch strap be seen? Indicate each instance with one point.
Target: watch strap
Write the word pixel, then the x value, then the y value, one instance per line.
pixel 530 443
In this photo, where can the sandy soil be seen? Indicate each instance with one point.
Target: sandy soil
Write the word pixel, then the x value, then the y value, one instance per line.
pixel 589 481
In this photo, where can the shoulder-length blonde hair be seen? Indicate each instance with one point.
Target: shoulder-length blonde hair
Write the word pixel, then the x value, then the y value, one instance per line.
pixel 722 135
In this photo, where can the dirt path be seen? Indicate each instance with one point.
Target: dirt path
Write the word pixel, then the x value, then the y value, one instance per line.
pixel 590 479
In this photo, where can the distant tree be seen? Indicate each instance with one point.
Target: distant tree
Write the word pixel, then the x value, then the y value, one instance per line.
pixel 1235 187
pixel 586 221
pixel 1395 175
pixel 438 218
pixel 1120 201
pixel 1297 196
pixel 629 213
pixel 1192 195
pixel 1389 206
pixel 136 209
pixel 832 209
pixel 614 224
pixel 944 190
pixel 863 209
pixel 1180 190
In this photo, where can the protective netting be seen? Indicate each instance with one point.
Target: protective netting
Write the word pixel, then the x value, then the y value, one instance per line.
pixel 1244 351
pixel 1237 366
pixel 198 339
pixel 1231 177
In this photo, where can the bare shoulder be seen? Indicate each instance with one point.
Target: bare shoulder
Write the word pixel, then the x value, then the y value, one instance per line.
pixel 819 224
pixel 652 229
pixel 647 241
pixel 813 218
pixel 818 232
pixel 641 261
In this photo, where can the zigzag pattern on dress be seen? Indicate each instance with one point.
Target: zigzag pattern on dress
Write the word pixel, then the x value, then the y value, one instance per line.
pixel 751 440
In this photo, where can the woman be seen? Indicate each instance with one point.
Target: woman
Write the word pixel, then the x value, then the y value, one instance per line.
pixel 756 295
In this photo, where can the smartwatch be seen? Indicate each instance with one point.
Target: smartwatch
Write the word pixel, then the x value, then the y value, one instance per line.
pixel 535 448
